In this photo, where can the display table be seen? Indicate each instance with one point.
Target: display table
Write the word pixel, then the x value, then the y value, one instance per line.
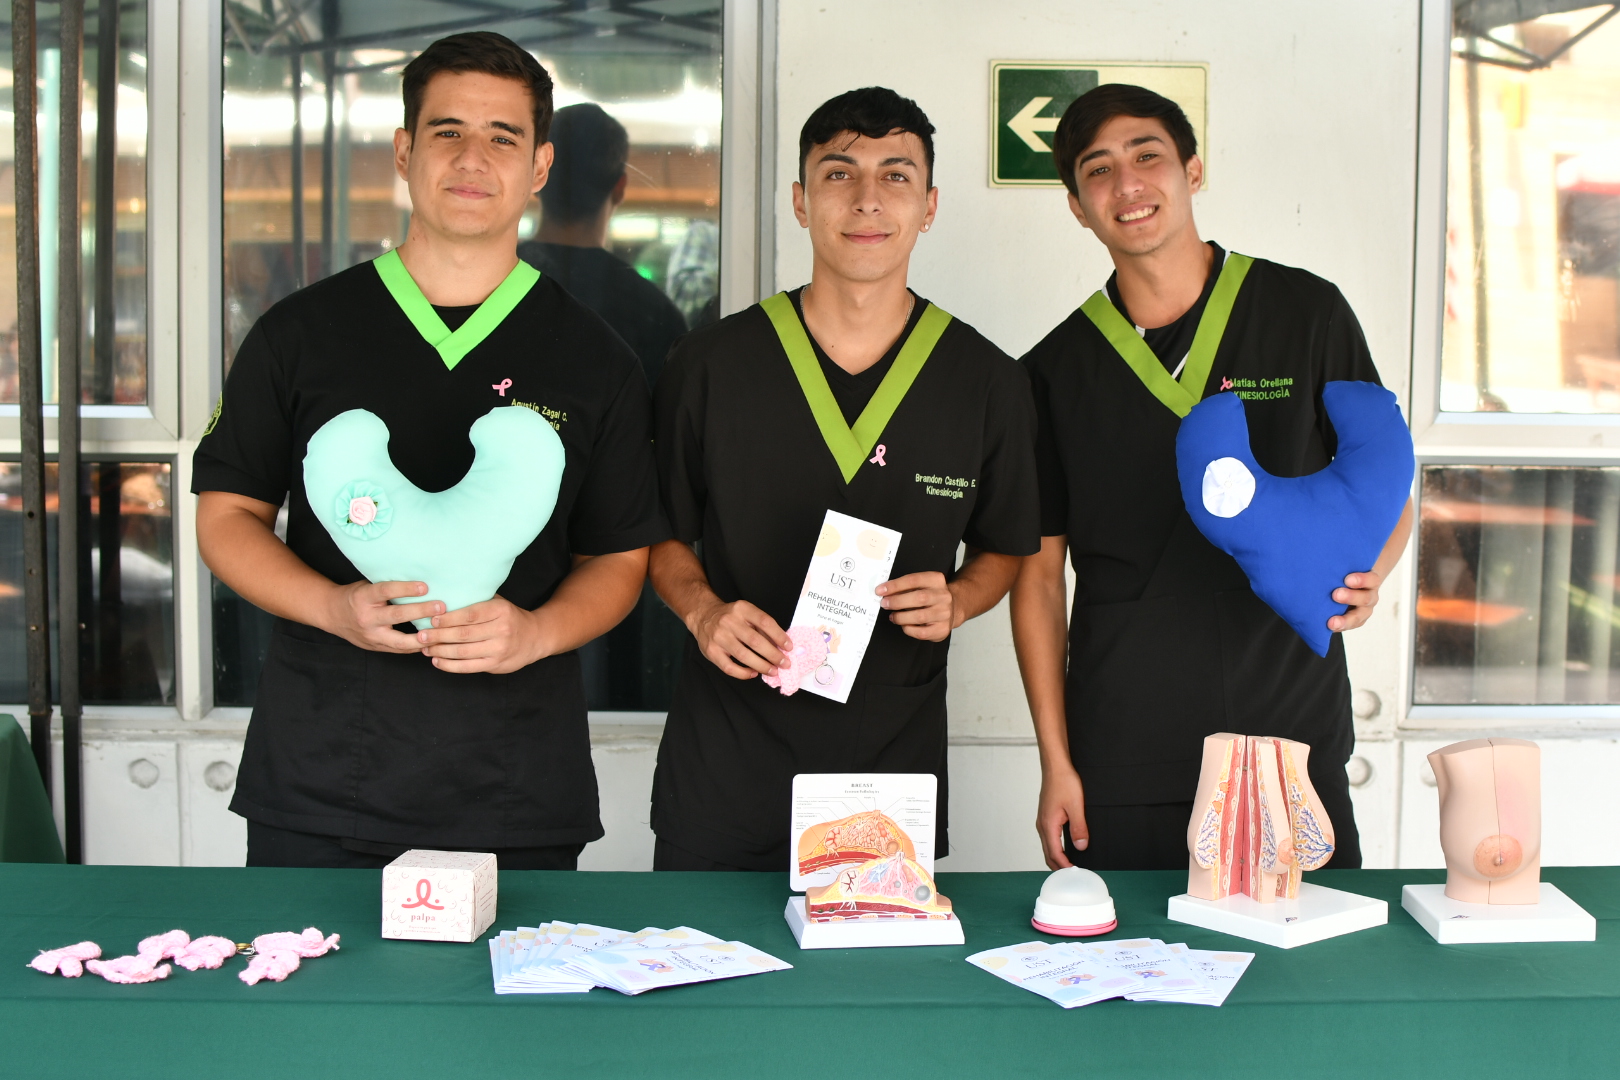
pixel 1386 1002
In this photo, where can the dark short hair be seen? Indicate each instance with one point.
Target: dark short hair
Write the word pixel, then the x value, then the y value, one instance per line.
pixel 482 51
pixel 872 112
pixel 592 149
pixel 1087 114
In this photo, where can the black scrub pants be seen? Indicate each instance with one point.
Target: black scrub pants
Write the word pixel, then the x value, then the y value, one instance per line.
pixel 1154 837
pixel 666 856
pixel 269 846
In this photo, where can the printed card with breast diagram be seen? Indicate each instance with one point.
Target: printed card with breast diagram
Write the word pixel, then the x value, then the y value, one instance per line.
pixel 846 820
pixel 838 607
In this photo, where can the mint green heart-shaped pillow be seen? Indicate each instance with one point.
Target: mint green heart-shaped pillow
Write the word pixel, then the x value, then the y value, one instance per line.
pixel 462 541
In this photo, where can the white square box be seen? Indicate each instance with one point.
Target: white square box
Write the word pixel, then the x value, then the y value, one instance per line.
pixel 439 895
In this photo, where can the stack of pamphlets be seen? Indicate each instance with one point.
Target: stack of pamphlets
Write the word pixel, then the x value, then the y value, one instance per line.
pixel 1077 973
pixel 572 958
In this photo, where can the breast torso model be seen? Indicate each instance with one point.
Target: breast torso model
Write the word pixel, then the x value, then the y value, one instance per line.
pixel 1490 820
pixel 1256 821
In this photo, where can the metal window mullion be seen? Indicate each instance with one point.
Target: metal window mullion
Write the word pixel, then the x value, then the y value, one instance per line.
pixel 68 319
pixel 296 158
pixel 104 252
pixel 30 377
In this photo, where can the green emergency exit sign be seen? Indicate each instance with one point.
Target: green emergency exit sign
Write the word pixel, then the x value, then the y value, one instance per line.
pixel 1028 99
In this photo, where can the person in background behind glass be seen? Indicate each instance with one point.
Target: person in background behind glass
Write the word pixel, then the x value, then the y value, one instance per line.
pixel 587 185
pixel 588 177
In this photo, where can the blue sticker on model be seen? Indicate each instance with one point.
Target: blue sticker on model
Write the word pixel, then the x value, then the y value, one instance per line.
pixel 1297 538
pixel 461 541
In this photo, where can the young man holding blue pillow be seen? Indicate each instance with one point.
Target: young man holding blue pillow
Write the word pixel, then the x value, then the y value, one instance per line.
pixel 369 737
pixel 1167 642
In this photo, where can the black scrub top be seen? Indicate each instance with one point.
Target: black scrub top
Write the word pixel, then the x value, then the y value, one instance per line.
pixel 1167 642
pixel 746 475
pixel 385 747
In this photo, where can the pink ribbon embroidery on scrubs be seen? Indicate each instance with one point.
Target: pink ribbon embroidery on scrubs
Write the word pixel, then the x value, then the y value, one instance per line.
pixel 501 387
pixel 877 458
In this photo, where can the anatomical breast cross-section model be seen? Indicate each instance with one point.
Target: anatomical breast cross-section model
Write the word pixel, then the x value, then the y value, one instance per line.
pixel 1257 822
pixel 1490 820
pixel 856 839
pixel 893 887
pixel 881 879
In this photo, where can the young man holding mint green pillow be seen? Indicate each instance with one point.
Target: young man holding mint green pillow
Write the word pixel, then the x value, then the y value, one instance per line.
pixel 370 736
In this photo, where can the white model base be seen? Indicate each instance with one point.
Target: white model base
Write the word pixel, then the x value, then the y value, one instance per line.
pixel 869 933
pixel 1453 922
pixel 1318 913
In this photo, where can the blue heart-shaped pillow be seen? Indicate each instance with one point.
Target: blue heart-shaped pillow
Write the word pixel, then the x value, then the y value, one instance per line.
pixel 1297 538
pixel 460 541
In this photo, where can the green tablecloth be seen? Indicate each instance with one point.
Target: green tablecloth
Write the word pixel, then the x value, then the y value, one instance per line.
pixel 27 830
pixel 1382 1003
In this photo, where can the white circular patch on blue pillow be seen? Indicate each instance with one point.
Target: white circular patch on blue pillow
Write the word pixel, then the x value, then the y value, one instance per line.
pixel 1228 487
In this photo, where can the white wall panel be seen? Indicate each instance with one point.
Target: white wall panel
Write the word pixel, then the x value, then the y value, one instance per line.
pixel 1376 800
pixel 994 789
pixel 210 835
pixel 131 802
pixel 624 757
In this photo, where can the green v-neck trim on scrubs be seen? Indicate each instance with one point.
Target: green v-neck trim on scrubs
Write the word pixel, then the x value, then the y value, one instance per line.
pixel 850 446
pixel 452 346
pixel 1178 397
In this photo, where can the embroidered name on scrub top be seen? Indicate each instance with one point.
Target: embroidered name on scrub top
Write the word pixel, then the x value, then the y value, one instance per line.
pixel 452 346
pixel 1179 396
pixel 850 446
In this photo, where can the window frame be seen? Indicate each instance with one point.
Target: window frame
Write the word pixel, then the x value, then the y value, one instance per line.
pixel 1479 436
pixel 1450 438
pixel 111 427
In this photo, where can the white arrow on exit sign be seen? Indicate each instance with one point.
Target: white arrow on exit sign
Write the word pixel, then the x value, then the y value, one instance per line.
pixel 1026 125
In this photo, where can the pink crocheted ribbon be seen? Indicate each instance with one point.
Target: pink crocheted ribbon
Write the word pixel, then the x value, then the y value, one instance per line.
pixel 809 652
pixel 205 952
pixel 147 963
pixel 68 961
pixel 277 955
pixel 129 969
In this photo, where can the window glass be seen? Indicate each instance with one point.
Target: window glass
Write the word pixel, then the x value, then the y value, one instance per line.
pixel 1532 291
pixel 126 583
pixel 1516 586
pixel 112 186
pixel 310 189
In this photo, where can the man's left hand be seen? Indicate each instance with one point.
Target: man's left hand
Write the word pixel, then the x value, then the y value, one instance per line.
pixel 1361 593
pixel 495 636
pixel 922 605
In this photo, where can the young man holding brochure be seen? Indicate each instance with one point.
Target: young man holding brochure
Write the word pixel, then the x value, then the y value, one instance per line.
pixel 855 395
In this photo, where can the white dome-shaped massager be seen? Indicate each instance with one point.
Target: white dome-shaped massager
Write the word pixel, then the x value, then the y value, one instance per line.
pixel 1074 902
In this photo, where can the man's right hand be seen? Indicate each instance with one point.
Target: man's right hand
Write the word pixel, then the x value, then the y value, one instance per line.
pixel 362 615
pixel 1063 802
pixel 740 639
